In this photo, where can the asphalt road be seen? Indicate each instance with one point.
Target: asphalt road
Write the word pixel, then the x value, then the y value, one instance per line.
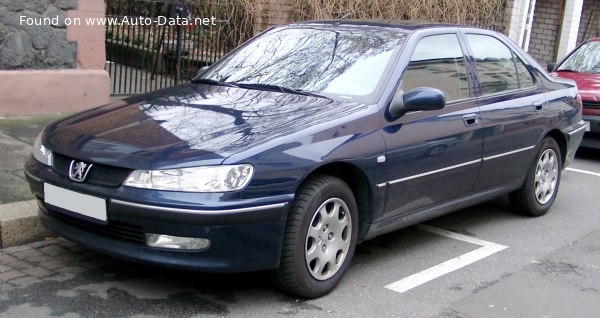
pixel 485 262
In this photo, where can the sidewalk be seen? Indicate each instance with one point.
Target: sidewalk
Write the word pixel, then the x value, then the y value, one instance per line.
pixel 18 211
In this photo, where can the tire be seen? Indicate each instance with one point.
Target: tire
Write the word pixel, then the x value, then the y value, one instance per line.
pixel 537 194
pixel 318 242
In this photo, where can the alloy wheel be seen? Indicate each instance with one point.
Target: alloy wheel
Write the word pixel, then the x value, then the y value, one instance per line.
pixel 546 176
pixel 328 239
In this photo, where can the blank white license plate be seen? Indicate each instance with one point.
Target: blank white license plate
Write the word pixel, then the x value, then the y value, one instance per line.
pixel 587 126
pixel 75 202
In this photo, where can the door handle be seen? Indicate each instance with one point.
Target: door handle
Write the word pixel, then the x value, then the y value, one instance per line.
pixel 537 105
pixel 470 120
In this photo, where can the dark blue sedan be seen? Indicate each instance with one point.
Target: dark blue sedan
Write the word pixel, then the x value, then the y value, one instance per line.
pixel 305 141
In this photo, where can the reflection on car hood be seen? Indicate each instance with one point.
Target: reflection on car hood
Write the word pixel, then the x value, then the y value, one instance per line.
pixel 187 125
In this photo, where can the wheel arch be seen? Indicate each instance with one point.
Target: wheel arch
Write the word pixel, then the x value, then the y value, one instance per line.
pixel 561 140
pixel 357 181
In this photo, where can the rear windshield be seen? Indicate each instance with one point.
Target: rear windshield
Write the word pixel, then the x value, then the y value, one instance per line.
pixel 586 59
pixel 340 62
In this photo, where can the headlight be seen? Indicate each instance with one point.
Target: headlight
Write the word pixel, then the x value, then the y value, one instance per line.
pixel 200 179
pixel 41 153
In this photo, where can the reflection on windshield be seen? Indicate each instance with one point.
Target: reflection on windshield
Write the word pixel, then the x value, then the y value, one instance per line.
pixel 333 60
pixel 585 60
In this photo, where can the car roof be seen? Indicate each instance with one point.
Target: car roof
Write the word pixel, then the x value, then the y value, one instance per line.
pixel 408 25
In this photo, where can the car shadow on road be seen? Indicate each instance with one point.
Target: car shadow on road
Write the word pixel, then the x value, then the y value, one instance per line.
pixel 588 153
pixel 411 239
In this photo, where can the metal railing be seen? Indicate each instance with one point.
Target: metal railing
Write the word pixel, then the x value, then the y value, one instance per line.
pixel 155 44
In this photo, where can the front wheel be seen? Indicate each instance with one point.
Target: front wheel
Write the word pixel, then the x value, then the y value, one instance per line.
pixel 320 237
pixel 538 192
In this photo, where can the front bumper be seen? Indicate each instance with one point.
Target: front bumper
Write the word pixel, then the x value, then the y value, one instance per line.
pixel 245 235
pixel 594 122
pixel 592 138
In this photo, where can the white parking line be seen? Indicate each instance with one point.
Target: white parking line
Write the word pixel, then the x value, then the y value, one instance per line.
pixel 584 171
pixel 420 278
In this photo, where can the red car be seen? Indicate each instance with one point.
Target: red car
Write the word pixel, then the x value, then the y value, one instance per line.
pixel 583 66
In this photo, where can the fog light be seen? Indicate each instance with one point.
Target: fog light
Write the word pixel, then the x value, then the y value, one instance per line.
pixel 176 242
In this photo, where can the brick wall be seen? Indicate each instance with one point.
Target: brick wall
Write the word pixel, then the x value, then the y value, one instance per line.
pixel 273 12
pixel 589 7
pixel 544 33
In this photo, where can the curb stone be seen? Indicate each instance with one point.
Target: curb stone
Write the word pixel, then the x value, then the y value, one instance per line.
pixel 19 224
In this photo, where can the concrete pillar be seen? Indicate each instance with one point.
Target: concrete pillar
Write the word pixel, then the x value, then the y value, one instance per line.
pixel 90 39
pixel 520 18
pixel 516 13
pixel 570 27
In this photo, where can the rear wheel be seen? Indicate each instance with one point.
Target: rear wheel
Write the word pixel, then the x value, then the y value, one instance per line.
pixel 320 237
pixel 537 194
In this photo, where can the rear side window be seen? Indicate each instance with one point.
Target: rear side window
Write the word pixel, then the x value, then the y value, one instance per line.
pixel 525 78
pixel 499 69
pixel 438 62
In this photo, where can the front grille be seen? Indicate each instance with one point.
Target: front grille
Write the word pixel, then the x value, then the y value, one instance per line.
pixel 595 105
pixel 120 230
pixel 99 174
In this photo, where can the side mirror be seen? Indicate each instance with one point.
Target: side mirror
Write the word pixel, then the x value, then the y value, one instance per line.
pixel 202 69
pixel 550 67
pixel 422 98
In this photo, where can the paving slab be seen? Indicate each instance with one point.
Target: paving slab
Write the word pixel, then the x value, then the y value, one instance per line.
pixel 18 213
pixel 17 135
pixel 563 284
pixel 26 128
pixel 13 154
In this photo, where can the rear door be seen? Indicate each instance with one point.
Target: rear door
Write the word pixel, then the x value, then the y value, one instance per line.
pixel 433 156
pixel 512 106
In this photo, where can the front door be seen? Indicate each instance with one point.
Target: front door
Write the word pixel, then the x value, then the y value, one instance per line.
pixel 433 156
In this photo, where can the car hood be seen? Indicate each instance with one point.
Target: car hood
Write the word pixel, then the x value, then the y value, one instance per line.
pixel 187 125
pixel 587 83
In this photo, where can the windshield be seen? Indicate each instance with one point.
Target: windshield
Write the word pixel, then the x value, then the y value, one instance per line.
pixel 586 59
pixel 340 62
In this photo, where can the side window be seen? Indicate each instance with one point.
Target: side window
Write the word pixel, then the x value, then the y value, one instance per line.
pixel 499 70
pixel 525 78
pixel 444 69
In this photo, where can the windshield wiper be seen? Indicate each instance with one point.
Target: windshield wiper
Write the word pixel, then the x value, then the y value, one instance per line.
pixel 567 70
pixel 212 82
pixel 276 88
